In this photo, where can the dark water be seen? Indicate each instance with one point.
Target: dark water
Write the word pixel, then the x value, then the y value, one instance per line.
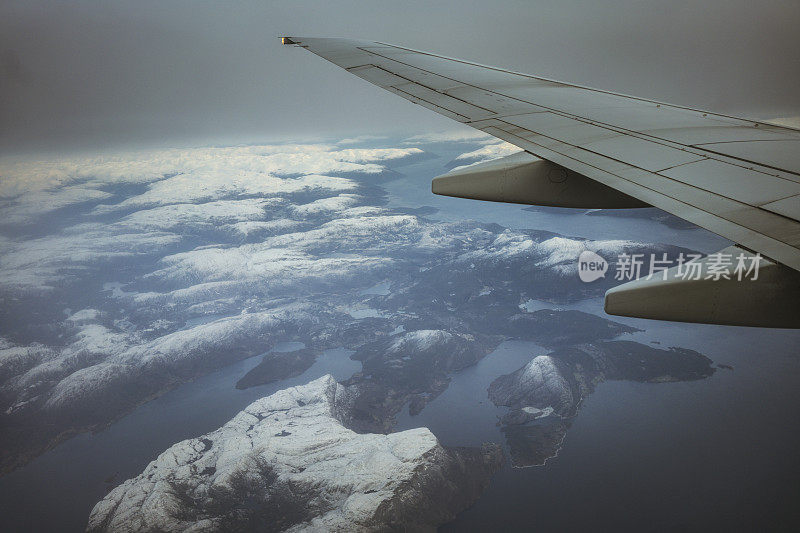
pixel 716 454
pixel 56 491
pixel 463 415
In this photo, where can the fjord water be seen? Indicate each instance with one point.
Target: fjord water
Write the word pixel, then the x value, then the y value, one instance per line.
pixel 719 453
pixel 56 491
pixel 715 454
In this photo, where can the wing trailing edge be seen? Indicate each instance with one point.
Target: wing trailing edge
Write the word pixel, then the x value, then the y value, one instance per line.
pixel 713 170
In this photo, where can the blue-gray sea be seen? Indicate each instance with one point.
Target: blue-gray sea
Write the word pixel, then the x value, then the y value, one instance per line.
pixel 715 454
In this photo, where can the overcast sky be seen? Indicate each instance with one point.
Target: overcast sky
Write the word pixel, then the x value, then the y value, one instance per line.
pixel 95 75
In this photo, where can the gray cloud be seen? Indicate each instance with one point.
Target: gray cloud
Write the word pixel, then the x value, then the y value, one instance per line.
pixel 88 74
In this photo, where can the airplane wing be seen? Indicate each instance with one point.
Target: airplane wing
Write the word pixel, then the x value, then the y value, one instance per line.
pixel 736 177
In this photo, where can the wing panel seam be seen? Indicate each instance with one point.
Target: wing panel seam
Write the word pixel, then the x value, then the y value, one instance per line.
pixel 640 135
pixel 681 201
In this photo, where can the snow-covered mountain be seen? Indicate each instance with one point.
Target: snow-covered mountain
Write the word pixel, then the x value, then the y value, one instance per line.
pixel 286 462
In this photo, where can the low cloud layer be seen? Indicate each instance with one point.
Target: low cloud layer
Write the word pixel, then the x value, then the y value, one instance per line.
pixel 163 257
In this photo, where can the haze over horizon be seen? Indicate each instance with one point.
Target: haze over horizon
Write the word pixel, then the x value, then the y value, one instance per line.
pixel 230 299
pixel 89 76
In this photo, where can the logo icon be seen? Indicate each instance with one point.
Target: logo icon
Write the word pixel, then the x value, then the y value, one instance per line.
pixel 591 266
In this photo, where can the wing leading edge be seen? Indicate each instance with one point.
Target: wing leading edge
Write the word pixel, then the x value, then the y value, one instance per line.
pixel 738 178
